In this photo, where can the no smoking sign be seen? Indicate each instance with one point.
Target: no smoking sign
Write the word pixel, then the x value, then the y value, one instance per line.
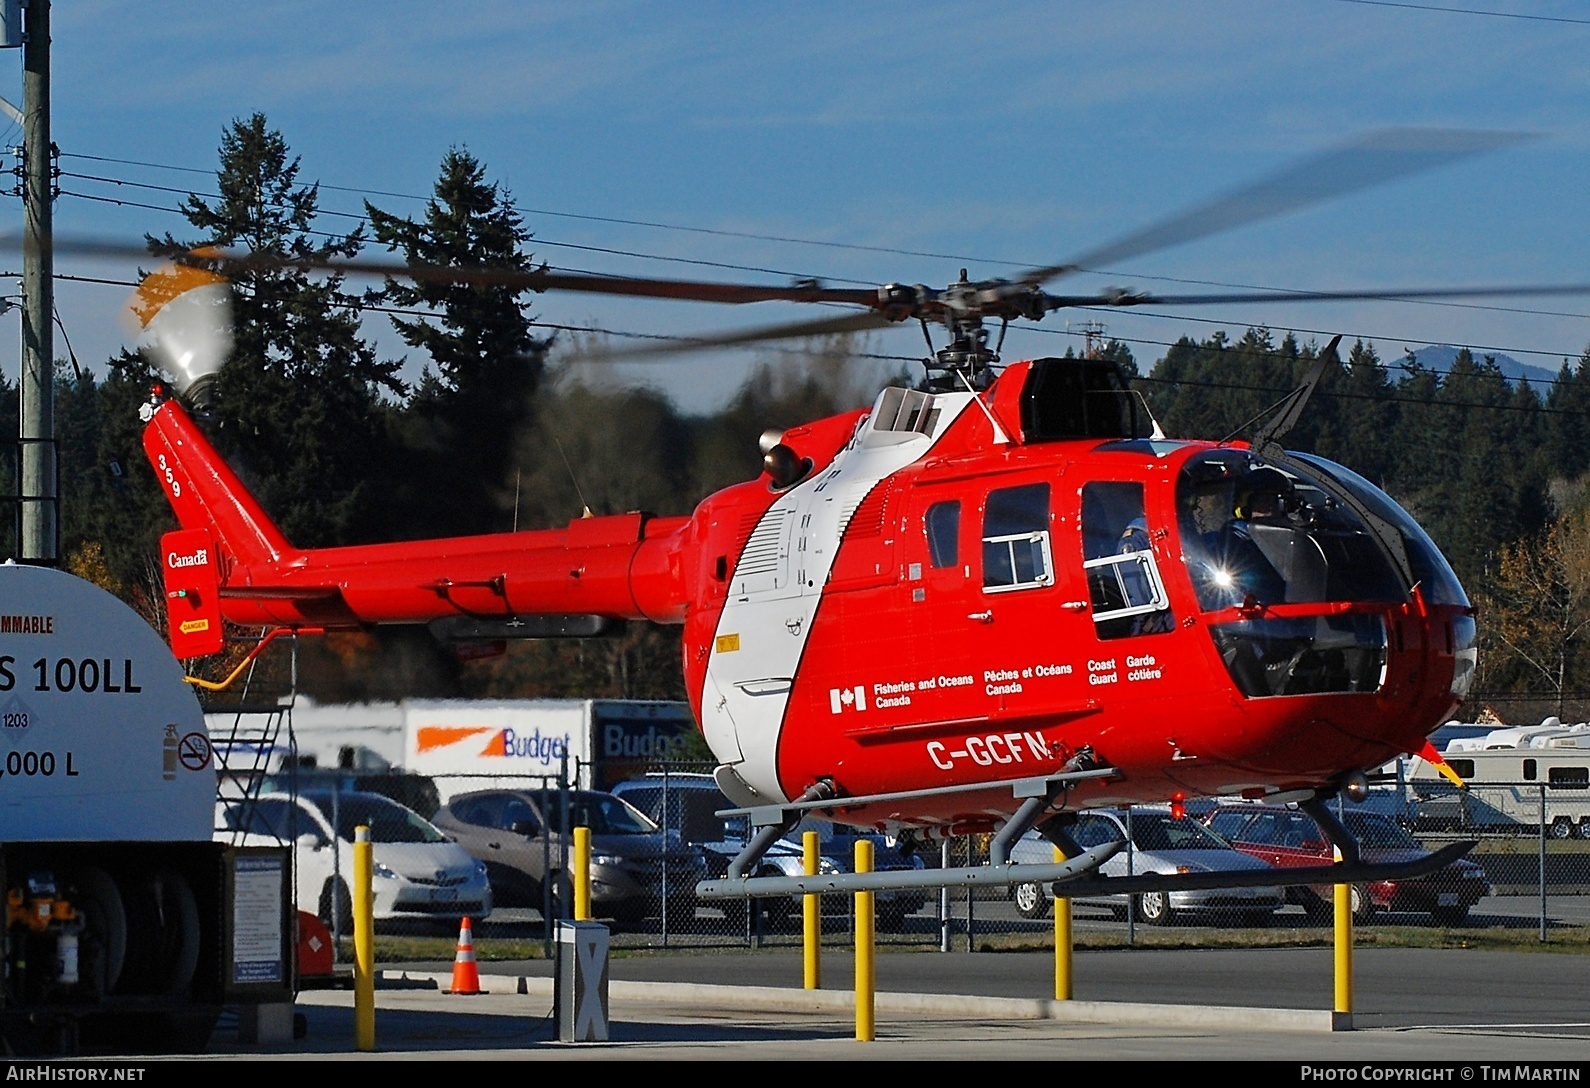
pixel 194 751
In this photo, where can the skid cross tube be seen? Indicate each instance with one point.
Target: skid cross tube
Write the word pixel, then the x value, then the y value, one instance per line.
pixel 773 822
pixel 769 833
pixel 1339 836
pixel 1033 808
pixel 974 876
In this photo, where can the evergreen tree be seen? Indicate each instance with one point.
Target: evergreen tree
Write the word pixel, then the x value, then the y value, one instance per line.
pixel 458 434
pixel 1367 415
pixel 113 510
pixel 1568 441
pixel 298 408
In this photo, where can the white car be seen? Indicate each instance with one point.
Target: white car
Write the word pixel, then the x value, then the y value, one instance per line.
pixel 419 873
pixel 1159 842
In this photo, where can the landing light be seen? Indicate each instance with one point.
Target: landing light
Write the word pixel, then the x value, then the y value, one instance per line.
pixel 1223 579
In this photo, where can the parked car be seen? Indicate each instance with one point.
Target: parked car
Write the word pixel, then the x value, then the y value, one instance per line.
pixel 419 873
pixel 1159 842
pixel 415 791
pixel 689 803
pixel 634 863
pixel 1287 838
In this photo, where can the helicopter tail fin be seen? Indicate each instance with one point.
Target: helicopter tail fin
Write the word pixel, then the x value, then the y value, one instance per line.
pixel 207 495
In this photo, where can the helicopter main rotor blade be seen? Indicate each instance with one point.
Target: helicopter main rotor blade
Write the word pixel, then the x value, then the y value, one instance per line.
pixel 1373 159
pixel 536 279
pixel 1412 294
pixel 864 321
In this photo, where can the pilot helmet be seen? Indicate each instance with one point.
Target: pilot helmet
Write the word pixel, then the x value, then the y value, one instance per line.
pixel 1264 492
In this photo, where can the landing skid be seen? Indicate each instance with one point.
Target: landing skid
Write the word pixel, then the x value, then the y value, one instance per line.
pixel 1341 872
pixel 1036 796
pixel 975 876
pixel 1075 877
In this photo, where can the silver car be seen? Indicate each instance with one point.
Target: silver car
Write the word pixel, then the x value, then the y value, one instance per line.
pixel 1159 842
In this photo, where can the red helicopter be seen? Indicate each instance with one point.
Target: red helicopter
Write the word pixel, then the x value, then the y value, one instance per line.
pixel 979 605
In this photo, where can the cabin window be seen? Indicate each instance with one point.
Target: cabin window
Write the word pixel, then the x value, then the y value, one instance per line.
pixel 943 525
pixel 1123 580
pixel 1016 551
pixel 1568 778
pixel 1463 768
pixel 1529 770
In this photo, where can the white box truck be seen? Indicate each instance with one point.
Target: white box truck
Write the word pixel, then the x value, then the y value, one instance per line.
pixel 466 745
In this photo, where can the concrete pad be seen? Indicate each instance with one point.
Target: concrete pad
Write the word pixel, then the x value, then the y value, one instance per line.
pixel 943 1006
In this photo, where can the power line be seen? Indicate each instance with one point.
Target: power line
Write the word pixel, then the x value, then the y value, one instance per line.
pixel 763 270
pixel 1483 348
pixel 657 225
pixel 618 221
pixel 539 241
pixel 1468 11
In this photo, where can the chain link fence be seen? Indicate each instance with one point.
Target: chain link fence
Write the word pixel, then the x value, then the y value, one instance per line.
pixel 657 833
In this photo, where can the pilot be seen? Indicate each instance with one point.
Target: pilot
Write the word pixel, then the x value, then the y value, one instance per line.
pixel 1265 496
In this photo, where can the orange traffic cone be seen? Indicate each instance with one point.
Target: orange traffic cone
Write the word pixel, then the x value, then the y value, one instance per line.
pixel 466 976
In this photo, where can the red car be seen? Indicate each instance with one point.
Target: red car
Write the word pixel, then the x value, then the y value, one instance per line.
pixel 1287 838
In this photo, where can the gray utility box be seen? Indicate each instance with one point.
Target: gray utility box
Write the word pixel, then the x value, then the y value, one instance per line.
pixel 580 993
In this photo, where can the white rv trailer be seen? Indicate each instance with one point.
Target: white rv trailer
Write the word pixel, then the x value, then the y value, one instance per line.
pixel 1517 777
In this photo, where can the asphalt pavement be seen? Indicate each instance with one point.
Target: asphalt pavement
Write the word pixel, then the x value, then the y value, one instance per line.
pixel 1463 1007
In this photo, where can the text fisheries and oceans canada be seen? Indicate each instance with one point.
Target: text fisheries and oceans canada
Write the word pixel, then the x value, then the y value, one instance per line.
pixel 995 682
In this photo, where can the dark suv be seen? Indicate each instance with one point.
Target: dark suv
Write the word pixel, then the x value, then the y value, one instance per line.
pixel 690 803
pixel 1288 838
pixel 635 865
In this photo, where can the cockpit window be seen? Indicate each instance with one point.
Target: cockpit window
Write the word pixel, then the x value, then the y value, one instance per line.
pixel 1260 533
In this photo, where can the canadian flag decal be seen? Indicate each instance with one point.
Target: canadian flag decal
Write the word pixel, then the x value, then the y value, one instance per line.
pixel 842 699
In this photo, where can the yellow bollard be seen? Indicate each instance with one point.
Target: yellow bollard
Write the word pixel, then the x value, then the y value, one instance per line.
pixel 582 874
pixel 864 949
pixel 363 940
pixel 1344 946
pixel 812 915
pixel 1062 941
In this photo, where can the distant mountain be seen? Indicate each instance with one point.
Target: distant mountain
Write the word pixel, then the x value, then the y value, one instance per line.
pixel 1439 357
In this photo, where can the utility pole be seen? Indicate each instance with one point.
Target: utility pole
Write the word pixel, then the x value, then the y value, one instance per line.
pixel 37 372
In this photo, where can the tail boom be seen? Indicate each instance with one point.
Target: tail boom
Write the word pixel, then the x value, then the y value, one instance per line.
pixel 626 566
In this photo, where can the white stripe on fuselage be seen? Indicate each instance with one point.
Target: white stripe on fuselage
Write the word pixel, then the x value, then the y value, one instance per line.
pixel 747 689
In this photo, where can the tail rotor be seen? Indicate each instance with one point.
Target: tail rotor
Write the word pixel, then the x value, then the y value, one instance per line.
pixel 181 317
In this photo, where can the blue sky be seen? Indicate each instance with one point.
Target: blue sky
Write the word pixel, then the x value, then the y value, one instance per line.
pixel 1000 136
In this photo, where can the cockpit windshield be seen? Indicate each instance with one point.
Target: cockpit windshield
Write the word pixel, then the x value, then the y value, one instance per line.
pixel 1266 534
pixel 1257 534
pixel 1429 567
